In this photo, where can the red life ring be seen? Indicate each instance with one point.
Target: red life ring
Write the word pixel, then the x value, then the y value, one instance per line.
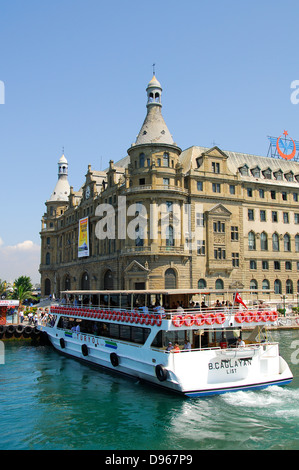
pixel 127 317
pixel 148 319
pixel 199 319
pixel 153 319
pixel 142 319
pixel 189 320
pixel 240 317
pixel 273 315
pixel 158 320
pixel 137 318
pixel 177 320
pixel 266 316
pixel 249 317
pixel 220 318
pixel 132 317
pixel 258 317
pixel 210 318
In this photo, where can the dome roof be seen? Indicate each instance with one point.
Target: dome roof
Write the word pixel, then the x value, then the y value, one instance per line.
pixel 62 159
pixel 154 83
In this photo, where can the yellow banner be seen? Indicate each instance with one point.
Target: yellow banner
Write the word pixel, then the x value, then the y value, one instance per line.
pixel 83 243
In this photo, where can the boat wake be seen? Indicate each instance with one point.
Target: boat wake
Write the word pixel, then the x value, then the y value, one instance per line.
pixel 275 401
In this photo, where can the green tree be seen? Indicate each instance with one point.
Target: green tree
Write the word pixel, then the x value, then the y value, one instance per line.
pixel 3 287
pixel 22 290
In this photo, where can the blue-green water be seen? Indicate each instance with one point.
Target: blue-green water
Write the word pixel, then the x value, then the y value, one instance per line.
pixel 48 401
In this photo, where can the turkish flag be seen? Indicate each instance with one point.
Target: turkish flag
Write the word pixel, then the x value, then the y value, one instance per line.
pixel 239 299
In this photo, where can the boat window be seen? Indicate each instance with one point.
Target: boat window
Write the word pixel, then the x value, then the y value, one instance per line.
pixel 125 332
pixel 162 338
pixel 133 334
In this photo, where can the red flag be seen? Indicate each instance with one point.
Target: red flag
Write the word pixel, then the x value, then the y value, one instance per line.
pixel 239 299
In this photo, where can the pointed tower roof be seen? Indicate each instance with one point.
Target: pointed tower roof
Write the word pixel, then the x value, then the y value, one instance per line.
pixel 154 129
pixel 62 188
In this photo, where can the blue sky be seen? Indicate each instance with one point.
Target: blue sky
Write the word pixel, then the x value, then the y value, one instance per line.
pixel 75 74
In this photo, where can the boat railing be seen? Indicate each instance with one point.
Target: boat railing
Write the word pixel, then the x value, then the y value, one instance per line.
pixel 249 347
pixel 179 317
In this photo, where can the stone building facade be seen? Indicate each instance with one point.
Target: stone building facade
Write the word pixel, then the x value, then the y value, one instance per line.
pixel 166 218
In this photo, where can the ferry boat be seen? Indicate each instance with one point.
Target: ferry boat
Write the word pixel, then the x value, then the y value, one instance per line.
pixel 151 335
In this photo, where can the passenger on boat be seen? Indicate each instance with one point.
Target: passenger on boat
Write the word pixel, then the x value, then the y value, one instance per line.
pixel 187 345
pixel 176 348
pixel 240 343
pixel 170 346
pixel 179 307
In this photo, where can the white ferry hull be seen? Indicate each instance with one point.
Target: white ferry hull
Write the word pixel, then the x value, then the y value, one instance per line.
pixel 192 373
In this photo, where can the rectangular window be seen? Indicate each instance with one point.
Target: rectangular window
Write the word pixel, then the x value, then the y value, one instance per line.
pixel 215 167
pixel 199 186
pixel 249 192
pixel 273 194
pixel 235 260
pixel 277 265
pixel 219 227
pixel 285 217
pixel 296 218
pixel 262 193
pixel 201 247
pixel 265 265
pixel 232 189
pixel 250 214
pixel 284 196
pixel 295 197
pixel 216 187
pixel 219 253
pixel 263 216
pixel 288 266
pixel 274 216
pixel 200 221
pixel 234 233
pixel 252 264
pixel 166 181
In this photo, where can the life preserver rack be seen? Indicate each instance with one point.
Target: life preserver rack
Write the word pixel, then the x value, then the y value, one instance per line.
pixel 110 315
pixel 188 319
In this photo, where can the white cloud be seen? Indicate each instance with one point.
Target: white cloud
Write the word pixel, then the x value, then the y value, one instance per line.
pixel 22 259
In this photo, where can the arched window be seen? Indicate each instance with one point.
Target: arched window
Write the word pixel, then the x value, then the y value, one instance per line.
pixel 166 159
pixel 202 284
pixel 169 236
pixel 297 242
pixel 85 284
pixel 141 160
pixel 170 279
pixel 287 242
pixel 108 280
pixel 289 286
pixel 264 241
pixel 266 284
pixel 275 242
pixel 47 287
pixel 251 241
pixel 48 259
pixel 277 287
pixel 253 284
pixel 219 284
pixel 67 283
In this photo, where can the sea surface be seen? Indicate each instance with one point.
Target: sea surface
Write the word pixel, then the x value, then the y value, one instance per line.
pixel 48 401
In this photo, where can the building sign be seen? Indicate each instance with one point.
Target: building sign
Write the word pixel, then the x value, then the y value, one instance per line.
pixel 83 242
pixel 284 147
pixel 9 303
